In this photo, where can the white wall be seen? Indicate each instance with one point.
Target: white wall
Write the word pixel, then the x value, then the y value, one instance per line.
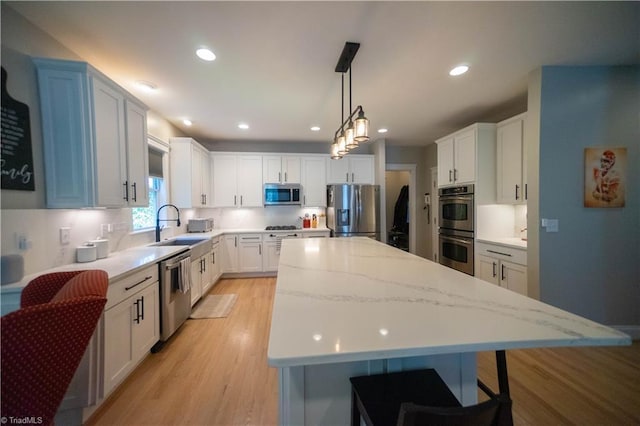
pixel 591 266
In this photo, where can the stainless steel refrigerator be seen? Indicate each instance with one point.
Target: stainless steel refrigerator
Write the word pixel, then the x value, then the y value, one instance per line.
pixel 353 210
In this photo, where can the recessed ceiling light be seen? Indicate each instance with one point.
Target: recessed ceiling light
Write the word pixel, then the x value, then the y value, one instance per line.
pixel 315 129
pixel 146 86
pixel 205 54
pixel 187 122
pixel 383 130
pixel 243 126
pixel 459 70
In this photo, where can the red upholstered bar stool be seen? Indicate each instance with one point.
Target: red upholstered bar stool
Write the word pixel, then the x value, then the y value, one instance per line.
pixel 44 341
pixel 421 397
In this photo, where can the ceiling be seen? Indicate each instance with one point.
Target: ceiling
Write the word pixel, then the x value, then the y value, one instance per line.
pixel 275 60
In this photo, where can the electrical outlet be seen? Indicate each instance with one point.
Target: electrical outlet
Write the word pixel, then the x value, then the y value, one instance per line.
pixel 65 235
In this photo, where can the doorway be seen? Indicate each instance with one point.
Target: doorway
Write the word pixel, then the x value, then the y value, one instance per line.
pixel 400 188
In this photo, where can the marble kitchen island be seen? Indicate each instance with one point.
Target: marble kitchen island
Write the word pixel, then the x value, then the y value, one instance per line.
pixel 353 306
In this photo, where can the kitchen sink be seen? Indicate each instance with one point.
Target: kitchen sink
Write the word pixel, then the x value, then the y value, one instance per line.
pixel 198 246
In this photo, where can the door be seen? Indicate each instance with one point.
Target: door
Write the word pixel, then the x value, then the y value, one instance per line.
pixel 314 182
pixel 146 329
pixel 487 269
pixel 514 277
pixel 249 179
pixel 224 181
pixel 509 167
pixel 366 200
pixel 445 162
pixel 137 154
pixel 464 154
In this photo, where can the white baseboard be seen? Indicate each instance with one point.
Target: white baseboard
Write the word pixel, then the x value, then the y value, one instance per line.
pixel 631 330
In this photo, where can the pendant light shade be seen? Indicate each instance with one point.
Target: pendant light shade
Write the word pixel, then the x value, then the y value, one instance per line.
pixel 349 135
pixel 334 151
pixel 362 127
pixel 342 144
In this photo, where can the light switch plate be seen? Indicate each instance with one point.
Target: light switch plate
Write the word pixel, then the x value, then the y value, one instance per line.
pixel 65 235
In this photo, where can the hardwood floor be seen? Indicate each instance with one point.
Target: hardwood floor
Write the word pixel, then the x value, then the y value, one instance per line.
pixel 215 372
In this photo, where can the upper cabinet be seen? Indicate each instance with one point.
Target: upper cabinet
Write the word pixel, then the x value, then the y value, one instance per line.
pixel 468 156
pixel 351 169
pixel 280 169
pixel 314 181
pixel 510 162
pixel 94 134
pixel 190 174
pixel 237 180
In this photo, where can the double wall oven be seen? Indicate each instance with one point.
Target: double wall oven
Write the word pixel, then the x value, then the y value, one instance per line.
pixel 456 227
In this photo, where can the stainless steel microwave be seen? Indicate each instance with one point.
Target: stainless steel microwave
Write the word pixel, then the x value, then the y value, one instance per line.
pixel 282 194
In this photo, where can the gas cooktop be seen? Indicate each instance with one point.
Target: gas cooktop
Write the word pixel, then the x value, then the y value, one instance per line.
pixel 280 227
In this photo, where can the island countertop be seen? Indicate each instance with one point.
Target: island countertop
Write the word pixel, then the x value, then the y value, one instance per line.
pixel 351 299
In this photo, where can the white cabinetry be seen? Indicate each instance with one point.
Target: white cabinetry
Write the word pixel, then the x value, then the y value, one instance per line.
pixel 250 253
pixel 201 276
pixel 216 261
pixel 503 266
pixel 190 174
pixel 314 181
pixel 237 180
pixel 510 163
pixel 230 253
pixel 94 135
pixel 131 324
pixel 280 169
pixel 351 169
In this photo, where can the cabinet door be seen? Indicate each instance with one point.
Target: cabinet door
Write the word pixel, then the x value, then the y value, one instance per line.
pixel 137 154
pixel 271 256
pixel 445 162
pixel 291 169
pixel 224 181
pixel 314 181
pixel 361 170
pixel 216 260
pixel 196 177
pixel 230 253
pixel 249 180
pixel 209 275
pixel 118 343
pixel 146 330
pixel 513 277
pixel 110 148
pixel 250 257
pixel 464 159
pixel 272 169
pixel 487 269
pixel 509 163
pixel 338 171
pixel 196 280
pixel 205 179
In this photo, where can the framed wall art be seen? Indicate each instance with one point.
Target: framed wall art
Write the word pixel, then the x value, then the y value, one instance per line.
pixel 605 176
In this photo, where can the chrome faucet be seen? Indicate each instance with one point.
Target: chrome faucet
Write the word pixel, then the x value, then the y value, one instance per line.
pixel 165 220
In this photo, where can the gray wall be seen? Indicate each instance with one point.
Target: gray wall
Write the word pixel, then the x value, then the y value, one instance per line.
pixel 592 265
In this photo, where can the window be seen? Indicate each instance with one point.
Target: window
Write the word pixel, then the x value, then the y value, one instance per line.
pixel 145 217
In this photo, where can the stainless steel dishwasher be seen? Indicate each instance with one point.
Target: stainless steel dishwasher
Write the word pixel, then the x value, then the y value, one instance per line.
pixel 175 304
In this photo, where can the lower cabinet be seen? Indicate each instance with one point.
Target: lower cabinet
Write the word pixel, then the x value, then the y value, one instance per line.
pixel 271 256
pixel 229 253
pixel 131 324
pixel 216 261
pixel 250 253
pixel 492 266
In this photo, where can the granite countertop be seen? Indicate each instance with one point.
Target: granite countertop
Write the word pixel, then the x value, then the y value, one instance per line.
pixel 352 299
pixel 513 242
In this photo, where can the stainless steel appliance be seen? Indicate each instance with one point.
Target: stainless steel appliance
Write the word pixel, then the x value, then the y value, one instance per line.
pixel 282 194
pixel 200 225
pixel 456 207
pixel 456 232
pixel 456 250
pixel 175 302
pixel 353 210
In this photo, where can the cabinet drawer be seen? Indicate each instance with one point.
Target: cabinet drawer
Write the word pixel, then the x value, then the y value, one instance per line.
pixel 503 253
pixel 121 289
pixel 250 238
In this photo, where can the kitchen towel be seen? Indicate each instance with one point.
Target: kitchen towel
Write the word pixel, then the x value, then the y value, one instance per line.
pixel 184 280
pixel 214 306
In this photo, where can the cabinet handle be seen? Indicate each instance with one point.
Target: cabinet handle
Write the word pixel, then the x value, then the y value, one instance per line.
pixel 497 252
pixel 138 283
pixel 137 318
pixel 517 187
pixel 235 241
pixel 450 176
pixel 260 249
pixel 241 200
pixel 347 176
pixel 352 178
pixel 304 198
pixel 285 177
pixel 135 192
pixel 234 200
pixel 213 257
pixel 142 308
pixel 126 190
pixel 526 193
pixel 502 273
pixel 279 177
pixel 250 238
pixel 455 174
pixel 494 268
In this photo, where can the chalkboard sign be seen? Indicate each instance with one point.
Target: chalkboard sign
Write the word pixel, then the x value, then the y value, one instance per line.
pixel 17 158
